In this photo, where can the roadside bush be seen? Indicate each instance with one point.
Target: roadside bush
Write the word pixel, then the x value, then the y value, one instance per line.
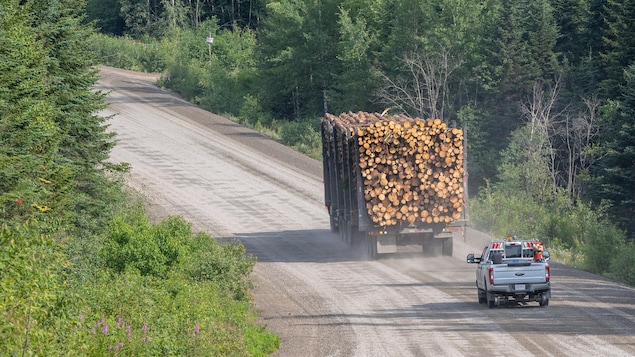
pixel 30 290
pixel 221 91
pixel 601 244
pixel 252 114
pixel 145 55
pixel 133 243
pixel 622 266
pixel 226 265
pixel 304 136
pixel 168 292
pixel 129 314
pixel 185 78
pixel 504 215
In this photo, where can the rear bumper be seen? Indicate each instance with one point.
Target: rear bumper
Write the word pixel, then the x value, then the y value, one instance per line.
pixel 519 289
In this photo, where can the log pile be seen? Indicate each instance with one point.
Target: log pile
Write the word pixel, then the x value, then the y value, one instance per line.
pixel 412 168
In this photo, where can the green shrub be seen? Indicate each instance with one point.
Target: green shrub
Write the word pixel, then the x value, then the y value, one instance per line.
pixel 129 314
pixel 505 215
pixel 304 136
pixel 185 78
pixel 601 244
pixel 622 267
pixel 31 290
pixel 260 342
pixel 227 265
pixel 145 55
pixel 252 113
pixel 222 92
pixel 133 243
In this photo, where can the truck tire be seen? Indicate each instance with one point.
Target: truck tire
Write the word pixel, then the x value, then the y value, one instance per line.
pixel 334 227
pixel 371 244
pixel 489 297
pixel 358 238
pixel 544 300
pixel 345 232
pixel 448 246
pixel 432 247
pixel 482 296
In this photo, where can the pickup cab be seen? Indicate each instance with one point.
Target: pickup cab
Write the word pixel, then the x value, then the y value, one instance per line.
pixel 512 271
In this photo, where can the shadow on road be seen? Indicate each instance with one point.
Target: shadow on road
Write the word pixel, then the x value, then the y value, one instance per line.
pixel 143 95
pixel 316 245
pixel 299 246
pixel 460 317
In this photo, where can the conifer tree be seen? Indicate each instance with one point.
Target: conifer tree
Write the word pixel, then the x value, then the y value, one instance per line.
pixel 29 136
pixel 620 44
pixel 615 172
pixel 72 73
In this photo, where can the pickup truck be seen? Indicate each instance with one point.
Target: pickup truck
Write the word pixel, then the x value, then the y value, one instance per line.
pixel 512 271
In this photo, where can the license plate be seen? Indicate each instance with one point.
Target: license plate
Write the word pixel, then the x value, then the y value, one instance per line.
pixel 519 287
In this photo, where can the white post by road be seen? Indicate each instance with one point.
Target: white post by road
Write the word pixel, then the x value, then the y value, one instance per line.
pixel 209 41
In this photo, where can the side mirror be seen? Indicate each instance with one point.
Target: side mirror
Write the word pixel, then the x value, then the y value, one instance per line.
pixel 470 258
pixel 545 255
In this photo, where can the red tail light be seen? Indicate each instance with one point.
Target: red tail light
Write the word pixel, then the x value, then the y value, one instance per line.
pixel 547 273
pixel 491 275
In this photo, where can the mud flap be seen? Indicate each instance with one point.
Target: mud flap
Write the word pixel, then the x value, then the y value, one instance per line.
pixel 386 244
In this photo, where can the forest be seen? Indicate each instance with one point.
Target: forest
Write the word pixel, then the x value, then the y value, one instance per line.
pixel 544 88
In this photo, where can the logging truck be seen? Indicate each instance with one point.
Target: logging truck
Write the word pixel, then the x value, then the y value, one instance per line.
pixel 393 180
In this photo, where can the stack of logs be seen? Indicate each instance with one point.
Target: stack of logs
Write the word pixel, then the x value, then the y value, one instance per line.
pixel 412 168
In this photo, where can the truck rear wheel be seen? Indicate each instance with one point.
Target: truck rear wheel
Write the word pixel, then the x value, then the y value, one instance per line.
pixel 432 247
pixel 482 296
pixel 334 227
pixel 448 246
pixel 371 244
pixel 349 233
pixel 544 300
pixel 345 232
pixel 489 297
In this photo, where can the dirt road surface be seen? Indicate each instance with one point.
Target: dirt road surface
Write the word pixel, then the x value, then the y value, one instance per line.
pixel 320 296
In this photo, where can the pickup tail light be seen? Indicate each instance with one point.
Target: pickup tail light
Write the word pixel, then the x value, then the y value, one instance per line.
pixel 490 272
pixel 547 273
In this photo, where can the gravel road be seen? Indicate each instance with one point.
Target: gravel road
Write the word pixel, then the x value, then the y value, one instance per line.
pixel 320 296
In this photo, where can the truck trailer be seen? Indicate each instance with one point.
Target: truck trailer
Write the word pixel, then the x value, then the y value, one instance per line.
pixel 394 180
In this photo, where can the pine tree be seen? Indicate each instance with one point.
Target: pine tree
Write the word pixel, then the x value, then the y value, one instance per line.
pixel 72 73
pixel 615 172
pixel 620 44
pixel 29 136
